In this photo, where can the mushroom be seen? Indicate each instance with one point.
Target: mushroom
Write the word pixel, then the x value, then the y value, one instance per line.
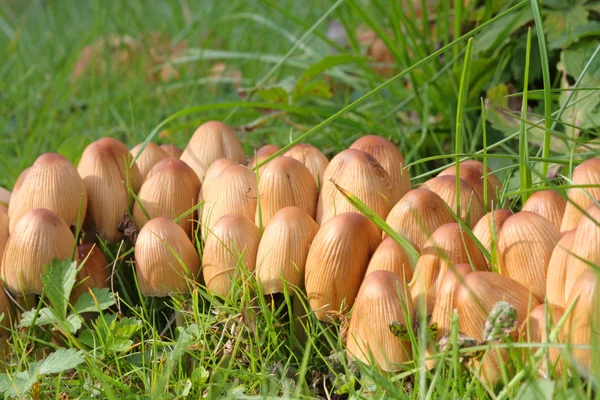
pixel 337 261
pixel 170 190
pixel 52 183
pixel 149 157
pixel 390 158
pixel 107 174
pixel 211 141
pixel 283 249
pixel 312 158
pixel 229 252
pixel 285 182
pixel 380 300
pixel 359 173
pixel 165 259
pixel 39 237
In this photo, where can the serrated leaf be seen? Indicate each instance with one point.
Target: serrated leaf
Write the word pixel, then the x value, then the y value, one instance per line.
pixel 60 361
pixel 74 323
pixel 44 317
pixel 58 279
pixel 101 298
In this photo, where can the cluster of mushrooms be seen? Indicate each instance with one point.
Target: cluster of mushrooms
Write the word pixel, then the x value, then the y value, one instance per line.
pixel 286 224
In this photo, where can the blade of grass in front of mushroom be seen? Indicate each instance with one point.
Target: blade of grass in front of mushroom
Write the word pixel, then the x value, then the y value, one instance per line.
pixel 485 158
pixel 524 163
pixel 139 203
pixel 378 221
pixel 460 109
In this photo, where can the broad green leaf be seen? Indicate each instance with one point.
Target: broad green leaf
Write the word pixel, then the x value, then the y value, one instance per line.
pixel 99 299
pixel 18 384
pixel 74 322
pixel 540 389
pixel 58 279
pixel 44 317
pixel 60 361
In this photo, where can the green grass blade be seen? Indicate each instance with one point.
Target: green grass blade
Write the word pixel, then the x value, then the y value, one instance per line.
pixel 460 110
pixel 361 99
pixel 524 166
pixel 546 79
pixel 378 221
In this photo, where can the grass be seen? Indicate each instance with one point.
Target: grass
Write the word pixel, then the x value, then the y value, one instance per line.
pixel 283 78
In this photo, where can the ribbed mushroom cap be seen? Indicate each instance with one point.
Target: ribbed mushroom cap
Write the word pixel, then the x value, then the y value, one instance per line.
pixel 4 232
pixel 525 245
pixel 444 302
pixel 4 196
pixel 212 173
pixel 390 256
pixel 285 182
pixel 211 141
pixel 380 301
pixel 493 181
pixel 448 246
pixel 151 155
pixel 471 207
pixel 474 300
pixel 105 170
pixel 18 184
pixel 390 158
pixel 230 249
pixel 94 273
pixel 443 308
pixel 585 248
pixel 417 215
pixel 53 183
pixel 583 324
pixel 488 227
pixel 234 192
pixel 547 203
pixel 165 259
pixel 540 322
pixel 283 250
pixel 38 238
pixel 262 154
pixel 170 190
pixel 312 158
pixel 586 173
pixel 336 263
pixel 557 270
pixel 171 150
pixel 473 177
pixel 359 173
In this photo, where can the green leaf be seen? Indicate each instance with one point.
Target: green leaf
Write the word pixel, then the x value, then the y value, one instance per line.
pixel 74 323
pixel 72 147
pixel 18 384
pixel 44 317
pixel 58 279
pixel 541 389
pixel 100 300
pixel 316 69
pixel 60 361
